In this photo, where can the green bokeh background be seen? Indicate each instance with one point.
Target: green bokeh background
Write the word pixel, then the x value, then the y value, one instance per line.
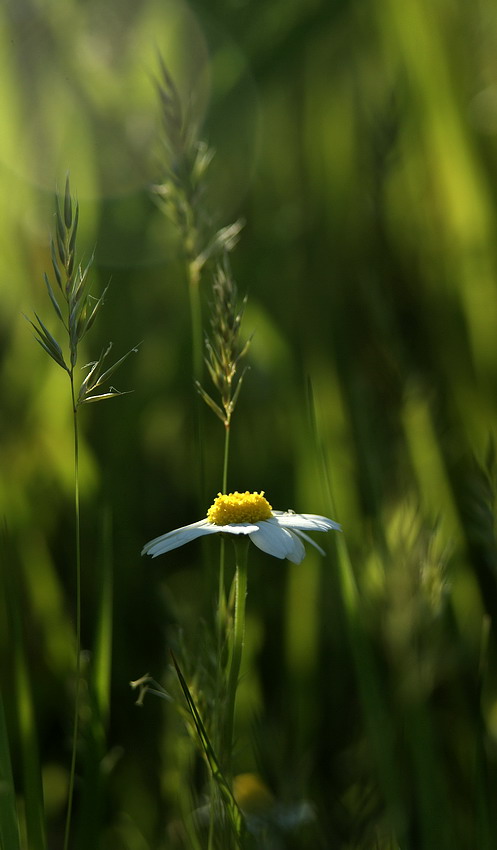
pixel 358 141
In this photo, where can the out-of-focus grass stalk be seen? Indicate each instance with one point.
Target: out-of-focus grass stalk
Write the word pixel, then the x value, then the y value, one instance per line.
pixel 102 654
pixel 9 827
pixel 33 790
pixel 182 197
pixel 432 804
pixel 9 819
pixel 31 769
pixel 486 817
pixel 377 715
pixel 193 276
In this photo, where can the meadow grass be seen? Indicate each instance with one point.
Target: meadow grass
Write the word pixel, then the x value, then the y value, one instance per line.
pixel 348 702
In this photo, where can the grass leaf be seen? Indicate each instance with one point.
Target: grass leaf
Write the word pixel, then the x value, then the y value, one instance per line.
pixel 233 810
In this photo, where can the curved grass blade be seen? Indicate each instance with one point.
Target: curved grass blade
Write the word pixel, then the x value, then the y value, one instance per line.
pixel 232 808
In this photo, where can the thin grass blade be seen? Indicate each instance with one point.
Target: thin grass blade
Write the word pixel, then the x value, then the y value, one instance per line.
pixel 9 827
pixel 235 814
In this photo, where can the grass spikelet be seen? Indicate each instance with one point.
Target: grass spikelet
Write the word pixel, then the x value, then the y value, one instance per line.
pixel 223 346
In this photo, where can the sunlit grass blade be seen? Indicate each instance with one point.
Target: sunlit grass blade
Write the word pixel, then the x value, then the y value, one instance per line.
pixel 9 827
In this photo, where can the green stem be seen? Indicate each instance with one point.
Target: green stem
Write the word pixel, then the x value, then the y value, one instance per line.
pixel 226 456
pixel 193 280
pixel 78 616
pixel 221 601
pixel 238 634
pixel 196 318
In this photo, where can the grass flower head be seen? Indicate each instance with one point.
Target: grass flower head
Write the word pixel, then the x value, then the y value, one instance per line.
pixel 279 533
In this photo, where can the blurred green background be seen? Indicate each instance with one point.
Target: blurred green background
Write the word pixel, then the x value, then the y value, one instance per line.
pixel 358 141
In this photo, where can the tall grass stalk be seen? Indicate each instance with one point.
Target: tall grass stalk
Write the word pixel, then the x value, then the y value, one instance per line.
pixel 77 532
pixel 81 310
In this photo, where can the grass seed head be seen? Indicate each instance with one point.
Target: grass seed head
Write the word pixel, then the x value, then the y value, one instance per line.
pixel 223 347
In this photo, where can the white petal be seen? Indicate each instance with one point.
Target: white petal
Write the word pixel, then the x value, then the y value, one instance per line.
pixel 297 552
pixel 277 541
pixel 238 528
pixel 306 537
pixel 309 522
pixel 178 537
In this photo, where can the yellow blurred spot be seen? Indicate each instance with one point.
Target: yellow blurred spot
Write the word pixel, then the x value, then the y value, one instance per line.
pixel 252 794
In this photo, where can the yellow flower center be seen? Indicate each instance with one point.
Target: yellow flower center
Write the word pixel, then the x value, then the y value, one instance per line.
pixel 239 507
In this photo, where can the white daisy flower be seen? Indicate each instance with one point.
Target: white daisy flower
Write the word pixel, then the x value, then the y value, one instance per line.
pixel 279 533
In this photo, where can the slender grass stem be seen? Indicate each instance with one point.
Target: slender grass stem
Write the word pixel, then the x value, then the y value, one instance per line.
pixel 196 318
pixel 226 456
pixel 78 616
pixel 221 603
pixel 193 281
pixel 238 634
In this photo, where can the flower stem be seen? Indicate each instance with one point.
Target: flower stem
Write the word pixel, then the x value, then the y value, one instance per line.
pixel 238 634
pixel 78 616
